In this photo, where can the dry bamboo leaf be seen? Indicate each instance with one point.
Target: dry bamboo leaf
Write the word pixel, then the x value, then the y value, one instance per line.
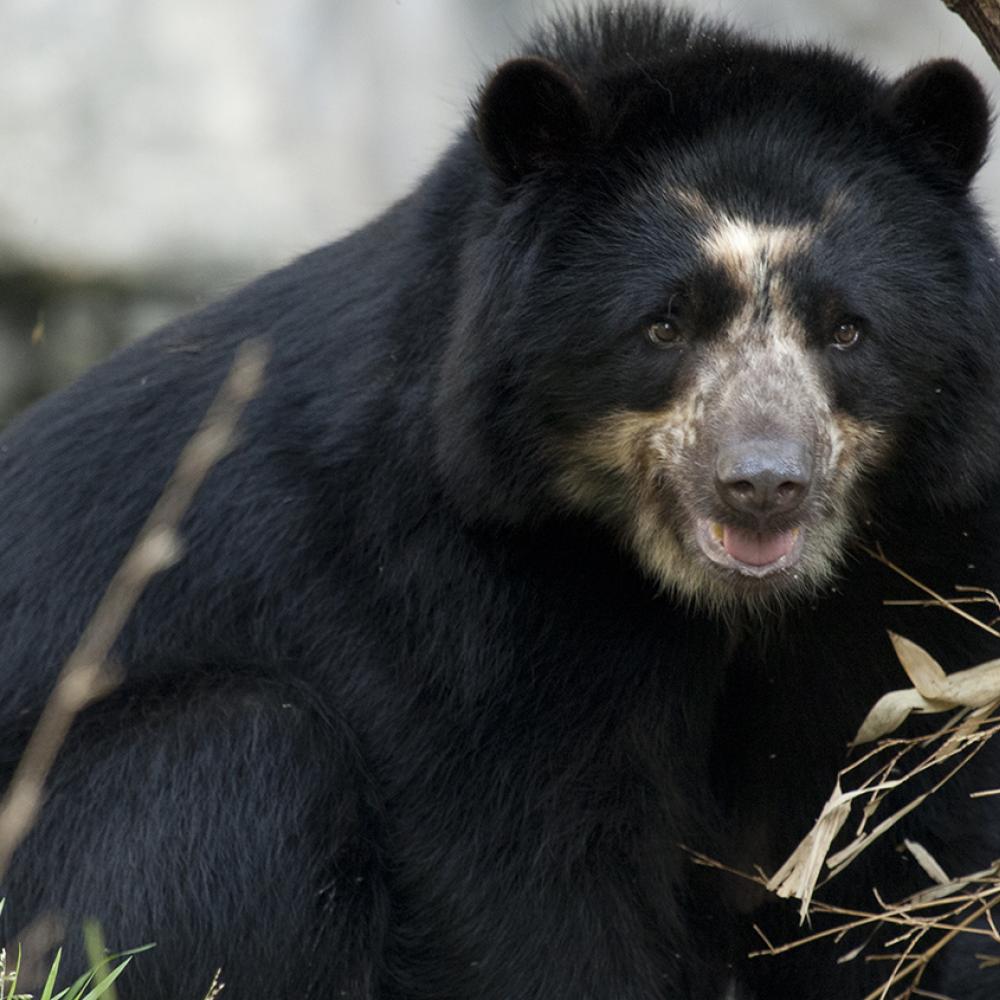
pixel 926 860
pixel 948 889
pixel 927 674
pixel 839 861
pixel 798 876
pixel 972 688
pixel 976 687
pixel 937 892
pixel 891 711
pixel 933 690
pixel 852 954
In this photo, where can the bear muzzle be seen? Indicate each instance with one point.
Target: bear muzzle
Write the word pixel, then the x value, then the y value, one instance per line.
pixel 762 483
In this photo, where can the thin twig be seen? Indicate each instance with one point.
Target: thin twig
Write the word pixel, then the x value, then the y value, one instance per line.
pixel 86 676
pixel 879 555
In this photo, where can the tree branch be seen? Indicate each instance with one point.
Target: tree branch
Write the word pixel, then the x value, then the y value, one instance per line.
pixel 983 17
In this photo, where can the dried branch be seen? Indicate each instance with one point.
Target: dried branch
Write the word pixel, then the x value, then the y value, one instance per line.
pixel 87 676
pixel 983 17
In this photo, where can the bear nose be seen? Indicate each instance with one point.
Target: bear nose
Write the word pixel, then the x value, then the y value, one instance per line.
pixel 763 476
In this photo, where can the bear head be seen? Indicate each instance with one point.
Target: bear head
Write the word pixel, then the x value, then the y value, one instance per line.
pixel 727 301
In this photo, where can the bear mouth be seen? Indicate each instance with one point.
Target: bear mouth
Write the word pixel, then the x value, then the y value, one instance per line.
pixel 751 553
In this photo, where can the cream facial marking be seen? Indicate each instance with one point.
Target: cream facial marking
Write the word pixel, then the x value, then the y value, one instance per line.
pixel 750 252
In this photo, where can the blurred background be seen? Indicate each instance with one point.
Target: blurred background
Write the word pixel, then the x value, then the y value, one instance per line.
pixel 154 154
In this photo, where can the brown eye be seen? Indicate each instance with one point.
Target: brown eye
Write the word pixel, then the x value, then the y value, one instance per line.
pixel 846 334
pixel 663 334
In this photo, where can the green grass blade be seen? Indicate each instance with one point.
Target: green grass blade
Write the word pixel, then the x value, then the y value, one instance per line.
pixel 50 982
pixel 77 987
pixel 101 989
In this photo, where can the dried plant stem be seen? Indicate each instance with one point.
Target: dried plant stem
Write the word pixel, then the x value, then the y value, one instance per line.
pixel 931 603
pixel 86 676
pixel 938 599
pixel 917 964
pixel 217 986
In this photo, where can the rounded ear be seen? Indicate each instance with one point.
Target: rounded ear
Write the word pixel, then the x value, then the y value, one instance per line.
pixel 530 115
pixel 943 106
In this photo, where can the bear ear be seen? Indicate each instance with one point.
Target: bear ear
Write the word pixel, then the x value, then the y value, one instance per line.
pixel 943 106
pixel 530 115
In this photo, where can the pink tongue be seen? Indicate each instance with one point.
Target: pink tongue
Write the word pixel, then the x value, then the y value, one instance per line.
pixel 755 549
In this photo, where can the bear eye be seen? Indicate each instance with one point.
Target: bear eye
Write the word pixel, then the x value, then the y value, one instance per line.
pixel 665 333
pixel 846 334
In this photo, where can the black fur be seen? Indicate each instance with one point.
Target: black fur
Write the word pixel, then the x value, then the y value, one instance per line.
pixel 400 725
pixel 531 116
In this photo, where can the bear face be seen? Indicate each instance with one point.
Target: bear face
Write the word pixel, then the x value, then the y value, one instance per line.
pixel 724 315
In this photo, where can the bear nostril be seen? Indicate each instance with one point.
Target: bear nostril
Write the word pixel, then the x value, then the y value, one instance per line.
pixel 763 476
pixel 789 492
pixel 743 494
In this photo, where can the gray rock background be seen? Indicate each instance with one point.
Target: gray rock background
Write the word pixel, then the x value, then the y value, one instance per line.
pixel 155 153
